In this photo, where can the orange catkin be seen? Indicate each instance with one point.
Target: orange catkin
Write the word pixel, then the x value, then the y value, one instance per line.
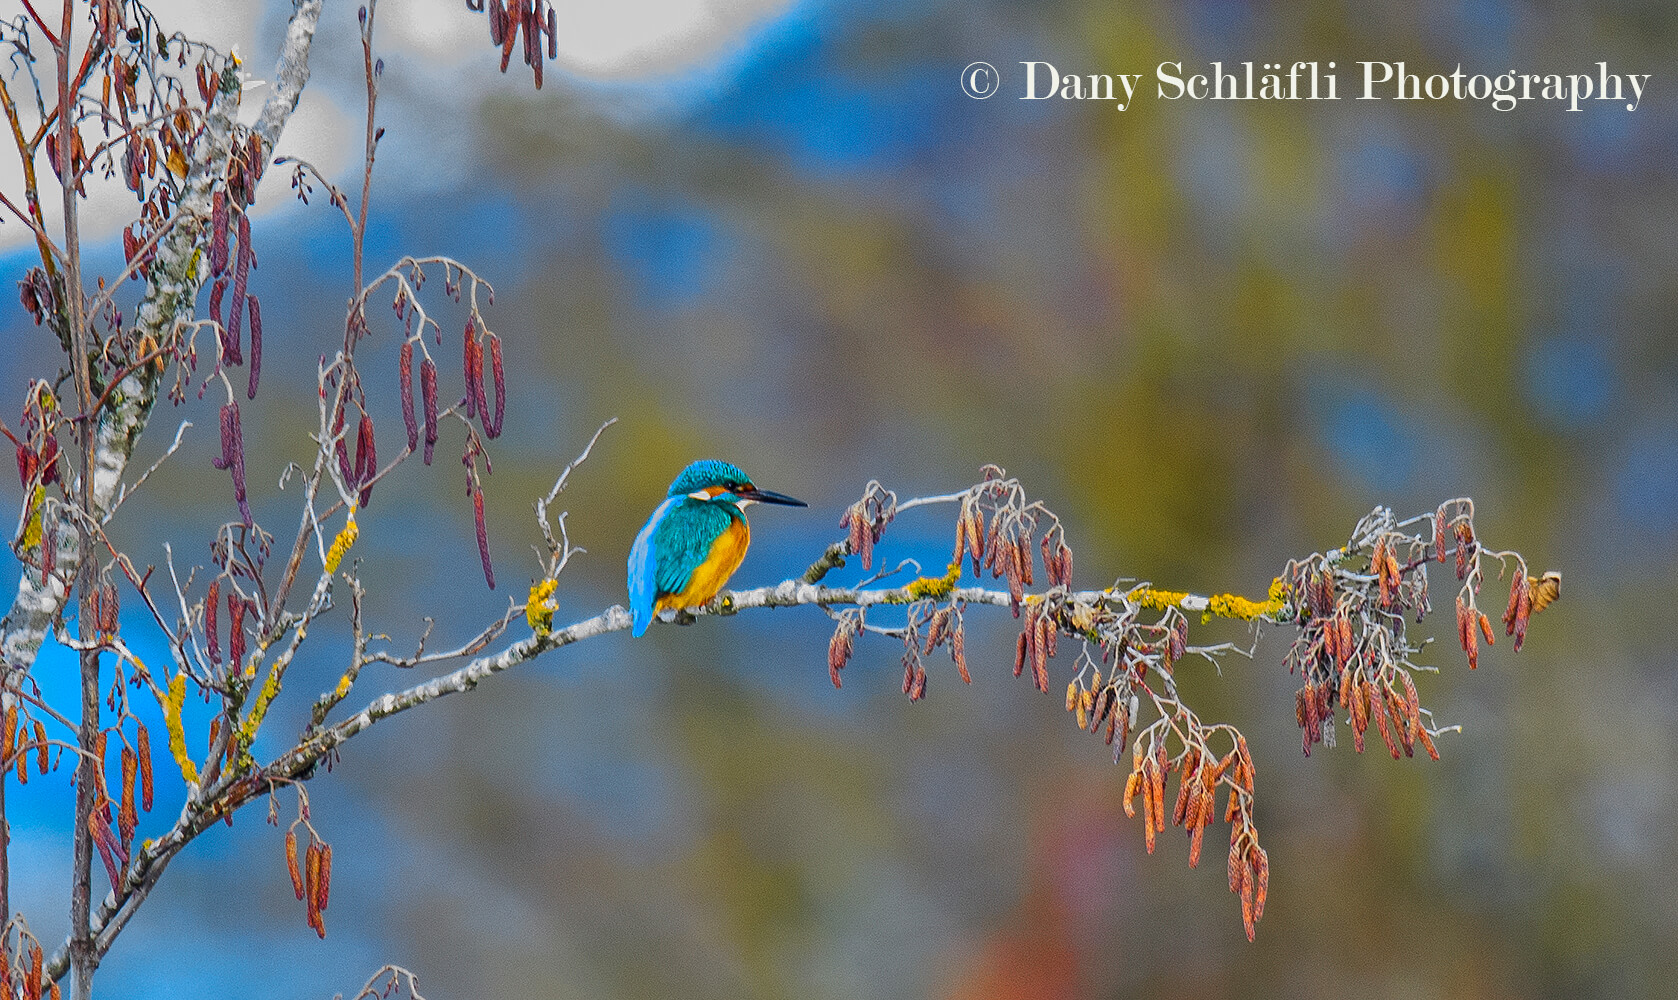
pixel 323 885
pixel 1148 805
pixel 143 744
pixel 311 884
pixel 1427 743
pixel 127 816
pixel 291 863
pixel 1261 868
pixel 1248 877
pixel 1517 583
pixel 41 747
pixel 1157 776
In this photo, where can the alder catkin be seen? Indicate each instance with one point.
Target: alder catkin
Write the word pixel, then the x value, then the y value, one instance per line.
pixel 472 365
pixel 366 459
pixel 499 378
pixel 211 639
pixel 217 290
pixel 235 629
pixel 142 743
pixel 291 863
pixel 218 233
pixel 428 394
pixel 127 816
pixel 256 346
pixel 405 372
pixel 323 883
pixel 239 468
pixel 483 534
pixel 241 274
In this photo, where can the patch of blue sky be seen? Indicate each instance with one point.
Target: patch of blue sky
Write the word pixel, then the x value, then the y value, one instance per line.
pixel 791 93
pixel 670 251
pixel 1570 380
pixel 1645 486
pixel 1369 438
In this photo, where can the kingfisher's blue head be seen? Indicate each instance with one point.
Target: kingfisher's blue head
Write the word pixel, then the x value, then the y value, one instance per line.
pixel 710 479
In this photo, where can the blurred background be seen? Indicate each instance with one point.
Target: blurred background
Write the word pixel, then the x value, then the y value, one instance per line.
pixel 1210 335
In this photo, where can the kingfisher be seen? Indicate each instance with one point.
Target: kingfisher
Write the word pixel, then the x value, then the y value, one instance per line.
pixel 694 541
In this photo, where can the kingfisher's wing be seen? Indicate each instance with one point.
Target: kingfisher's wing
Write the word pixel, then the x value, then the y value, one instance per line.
pixel 643 570
pixel 682 541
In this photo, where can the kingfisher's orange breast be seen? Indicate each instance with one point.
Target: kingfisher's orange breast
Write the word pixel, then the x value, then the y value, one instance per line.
pixel 726 554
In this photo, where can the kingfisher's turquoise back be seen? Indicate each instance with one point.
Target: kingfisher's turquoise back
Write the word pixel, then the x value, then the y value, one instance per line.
pixel 672 544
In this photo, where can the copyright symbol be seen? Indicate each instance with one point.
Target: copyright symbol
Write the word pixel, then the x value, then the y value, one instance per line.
pixel 980 80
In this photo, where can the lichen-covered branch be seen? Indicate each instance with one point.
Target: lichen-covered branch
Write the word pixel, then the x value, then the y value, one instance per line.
pixel 171 289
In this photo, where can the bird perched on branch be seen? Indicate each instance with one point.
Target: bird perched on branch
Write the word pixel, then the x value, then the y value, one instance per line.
pixel 694 541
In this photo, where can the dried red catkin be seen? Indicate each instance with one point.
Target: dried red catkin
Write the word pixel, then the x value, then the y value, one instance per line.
pixel 342 451
pixel 366 458
pixel 218 289
pixel 483 533
pixel 553 35
pixel 236 629
pixel 510 33
pixel 475 384
pixel 241 274
pixel 532 43
pixel 226 459
pixel 500 380
pixel 497 23
pixel 210 611
pixel 405 370
pixel 291 863
pixel 218 233
pixel 238 457
pixel 472 364
pixel 256 160
pixel 127 816
pixel 311 880
pixel 428 394
pixel 142 748
pixel 256 345
pixel 109 607
pixel 323 885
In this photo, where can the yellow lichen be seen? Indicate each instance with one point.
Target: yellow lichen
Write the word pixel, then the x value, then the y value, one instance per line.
pixel 540 606
pixel 172 702
pixel 1157 600
pixel 1236 606
pixel 253 719
pixel 342 543
pixel 32 528
pixel 934 586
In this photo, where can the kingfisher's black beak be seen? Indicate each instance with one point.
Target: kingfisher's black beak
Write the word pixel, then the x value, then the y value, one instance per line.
pixel 769 496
